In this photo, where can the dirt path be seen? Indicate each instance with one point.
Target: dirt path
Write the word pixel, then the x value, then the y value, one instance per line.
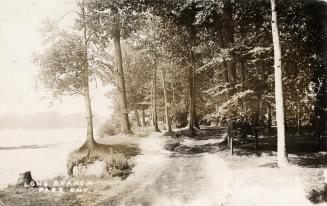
pixel 188 172
pixel 164 177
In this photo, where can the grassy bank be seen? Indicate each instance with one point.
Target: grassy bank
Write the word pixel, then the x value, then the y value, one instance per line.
pixel 117 151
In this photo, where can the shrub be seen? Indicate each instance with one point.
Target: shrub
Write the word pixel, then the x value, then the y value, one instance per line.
pixel 109 128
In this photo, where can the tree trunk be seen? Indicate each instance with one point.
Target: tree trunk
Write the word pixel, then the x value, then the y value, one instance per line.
pixel 131 91
pixel 196 122
pixel 226 79
pixel 154 96
pixel 192 90
pixel 25 178
pixel 256 122
pixel 173 88
pixel 232 72
pixel 191 98
pixel 242 79
pixel 228 35
pixel 225 38
pixel 281 140
pixel 89 120
pixel 224 63
pixel 269 120
pixel 152 105
pixel 167 117
pixel 90 142
pixel 298 117
pixel 143 118
pixel 192 72
pixel 225 72
pixel 137 117
pixel 123 99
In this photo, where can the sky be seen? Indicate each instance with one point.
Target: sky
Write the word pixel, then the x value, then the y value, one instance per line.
pixel 20 37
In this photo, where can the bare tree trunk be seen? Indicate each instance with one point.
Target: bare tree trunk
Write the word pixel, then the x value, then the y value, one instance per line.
pixel 242 78
pixel 269 120
pixel 225 38
pixel 232 71
pixel 191 98
pixel 25 178
pixel 152 104
pixel 89 119
pixel 137 118
pixel 90 142
pixel 281 142
pixel 123 99
pixel 298 116
pixel 226 79
pixel 192 88
pixel 256 122
pixel 131 91
pixel 167 117
pixel 143 118
pixel 154 101
pixel 173 88
pixel 225 72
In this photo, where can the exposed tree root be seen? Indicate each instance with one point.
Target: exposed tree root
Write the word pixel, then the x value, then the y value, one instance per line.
pixel 117 158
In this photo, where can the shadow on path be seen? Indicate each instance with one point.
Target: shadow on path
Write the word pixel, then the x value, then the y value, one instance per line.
pixel 206 140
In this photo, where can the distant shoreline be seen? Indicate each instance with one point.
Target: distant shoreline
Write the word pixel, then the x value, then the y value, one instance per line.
pixel 41 128
pixel 34 146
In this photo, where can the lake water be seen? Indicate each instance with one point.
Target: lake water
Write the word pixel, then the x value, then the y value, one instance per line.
pixel 44 152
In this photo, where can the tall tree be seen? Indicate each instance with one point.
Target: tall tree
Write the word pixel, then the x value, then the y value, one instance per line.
pixel 64 68
pixel 280 115
pixel 154 95
pixel 86 90
pixel 114 19
pixel 122 89
pixel 167 116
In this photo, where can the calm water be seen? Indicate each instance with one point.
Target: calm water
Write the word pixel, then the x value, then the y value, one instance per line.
pixel 42 151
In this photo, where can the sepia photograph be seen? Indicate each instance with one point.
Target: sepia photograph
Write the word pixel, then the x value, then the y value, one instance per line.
pixel 163 102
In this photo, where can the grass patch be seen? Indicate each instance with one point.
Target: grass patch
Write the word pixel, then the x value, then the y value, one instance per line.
pixel 13 196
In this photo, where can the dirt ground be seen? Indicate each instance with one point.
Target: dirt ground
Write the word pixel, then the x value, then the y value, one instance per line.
pixel 199 171
pixel 183 171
